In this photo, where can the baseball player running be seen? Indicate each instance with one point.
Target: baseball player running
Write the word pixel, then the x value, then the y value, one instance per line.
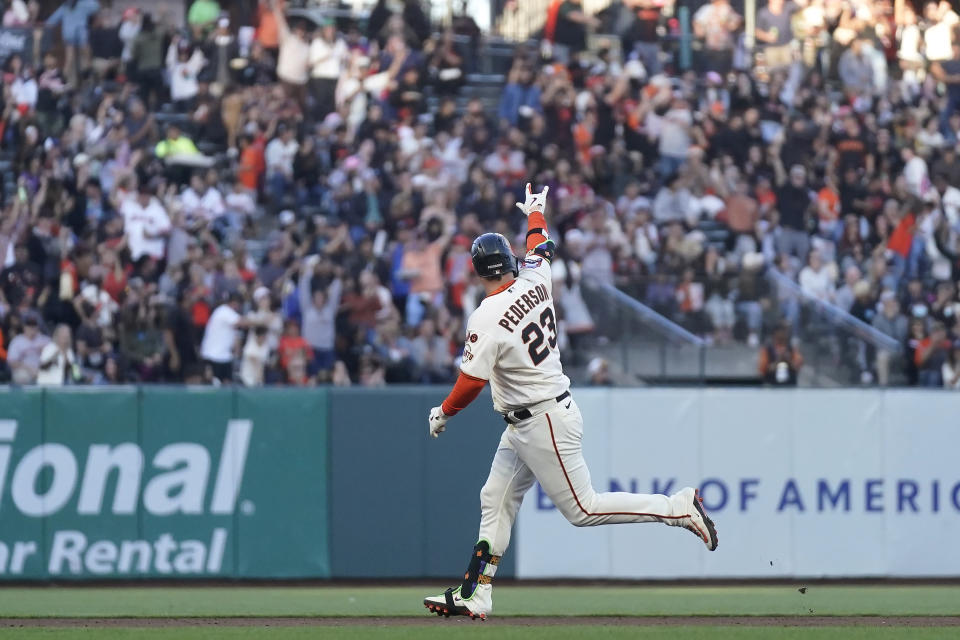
pixel 512 343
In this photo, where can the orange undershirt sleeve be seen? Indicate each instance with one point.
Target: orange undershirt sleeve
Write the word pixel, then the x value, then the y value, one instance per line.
pixel 536 229
pixel 465 391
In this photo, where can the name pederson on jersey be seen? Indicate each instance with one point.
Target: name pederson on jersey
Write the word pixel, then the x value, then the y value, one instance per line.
pixel 512 340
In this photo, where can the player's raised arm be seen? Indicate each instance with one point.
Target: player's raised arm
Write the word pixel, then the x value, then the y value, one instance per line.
pixel 538 240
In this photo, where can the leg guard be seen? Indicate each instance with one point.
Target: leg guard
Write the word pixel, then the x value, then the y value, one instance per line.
pixel 481 570
pixel 473 597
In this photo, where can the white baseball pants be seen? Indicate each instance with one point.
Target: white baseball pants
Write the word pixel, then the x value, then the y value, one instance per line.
pixel 546 447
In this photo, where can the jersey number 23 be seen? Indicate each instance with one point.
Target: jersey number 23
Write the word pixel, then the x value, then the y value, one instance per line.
pixel 533 334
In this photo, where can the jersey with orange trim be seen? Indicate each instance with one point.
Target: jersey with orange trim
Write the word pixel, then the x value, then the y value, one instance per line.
pixel 512 343
pixel 512 338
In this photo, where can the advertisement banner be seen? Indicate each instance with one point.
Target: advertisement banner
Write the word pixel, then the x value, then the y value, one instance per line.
pixel 162 482
pixel 804 483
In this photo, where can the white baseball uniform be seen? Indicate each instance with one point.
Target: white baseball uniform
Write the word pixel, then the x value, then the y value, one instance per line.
pixel 512 340
pixel 512 343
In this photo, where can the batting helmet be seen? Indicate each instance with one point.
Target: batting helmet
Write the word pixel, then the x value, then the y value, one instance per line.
pixel 492 256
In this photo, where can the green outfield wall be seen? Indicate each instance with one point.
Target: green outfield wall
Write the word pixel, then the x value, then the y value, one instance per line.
pixel 160 482
pixel 178 483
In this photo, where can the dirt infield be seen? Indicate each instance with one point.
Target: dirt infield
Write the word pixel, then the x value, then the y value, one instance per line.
pixel 528 621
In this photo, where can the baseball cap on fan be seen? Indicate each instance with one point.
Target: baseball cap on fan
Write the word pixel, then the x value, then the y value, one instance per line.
pixel 635 70
pixel 260 293
pixel 287 217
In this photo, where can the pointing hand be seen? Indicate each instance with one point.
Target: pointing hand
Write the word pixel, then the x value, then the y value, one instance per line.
pixel 534 201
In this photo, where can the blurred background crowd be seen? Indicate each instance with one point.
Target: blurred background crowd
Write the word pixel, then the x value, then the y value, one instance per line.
pixel 255 193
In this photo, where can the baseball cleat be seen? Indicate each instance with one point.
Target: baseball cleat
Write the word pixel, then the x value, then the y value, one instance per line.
pixel 698 521
pixel 449 603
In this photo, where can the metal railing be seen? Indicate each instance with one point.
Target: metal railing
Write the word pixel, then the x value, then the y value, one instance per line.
pixel 839 348
pixel 645 345
pixel 838 316
pixel 650 344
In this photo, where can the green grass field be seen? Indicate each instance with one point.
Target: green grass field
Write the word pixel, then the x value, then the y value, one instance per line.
pixel 529 612
pixel 405 601
pixel 505 633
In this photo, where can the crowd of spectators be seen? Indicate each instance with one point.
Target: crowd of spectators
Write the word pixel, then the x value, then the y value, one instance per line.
pixel 266 200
